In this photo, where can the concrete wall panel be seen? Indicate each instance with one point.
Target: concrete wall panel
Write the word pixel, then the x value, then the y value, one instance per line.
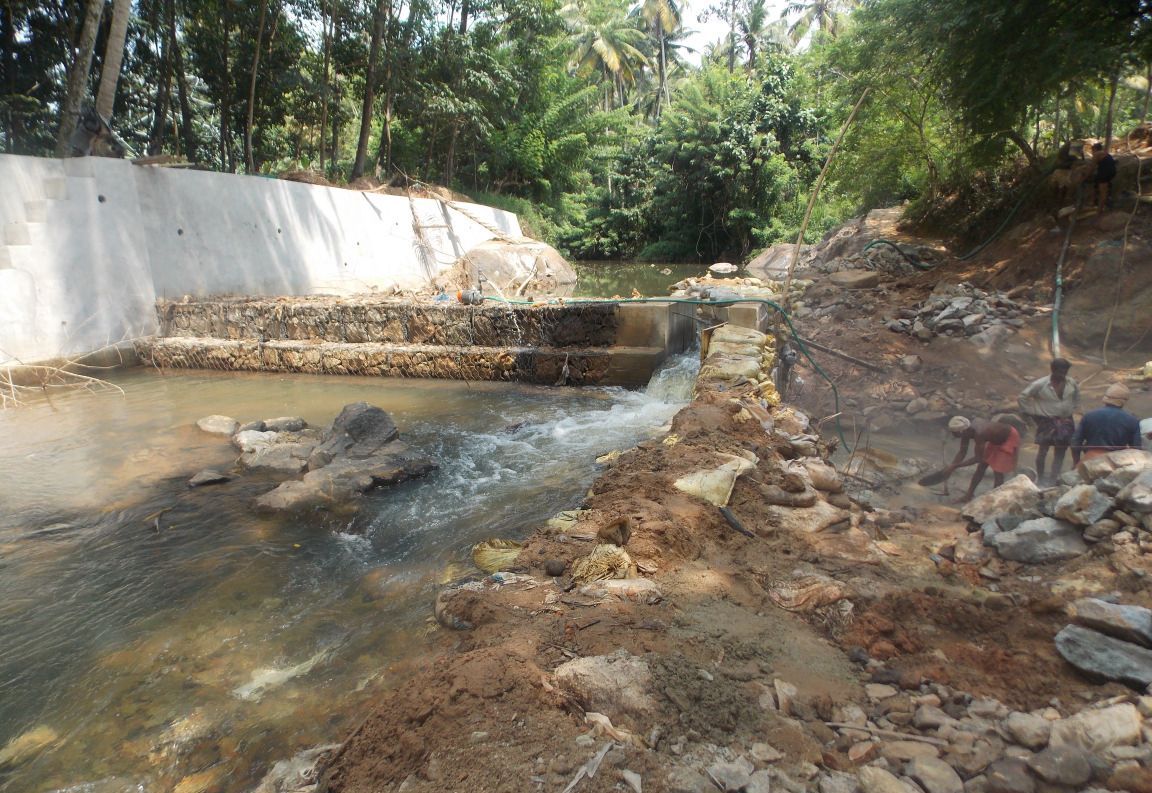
pixel 89 244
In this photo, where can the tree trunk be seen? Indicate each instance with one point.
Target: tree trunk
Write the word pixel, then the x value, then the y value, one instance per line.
pixel 369 92
pixel 731 36
pixel 186 122
pixel 163 102
pixel 1023 145
pixel 8 61
pixel 78 75
pixel 251 166
pixel 1147 93
pixel 450 160
pixel 465 8
pixel 1111 110
pixel 113 57
pixel 326 35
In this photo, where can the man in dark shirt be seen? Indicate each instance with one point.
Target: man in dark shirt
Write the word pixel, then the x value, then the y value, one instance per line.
pixel 1105 173
pixel 1108 428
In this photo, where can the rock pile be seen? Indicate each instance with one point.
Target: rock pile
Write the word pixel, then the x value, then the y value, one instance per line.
pixel 1106 500
pixel 1109 640
pixel 910 737
pixel 361 450
pixel 962 310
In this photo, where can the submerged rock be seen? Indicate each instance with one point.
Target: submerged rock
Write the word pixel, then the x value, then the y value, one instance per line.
pixel 26 746
pixel 208 476
pixel 218 425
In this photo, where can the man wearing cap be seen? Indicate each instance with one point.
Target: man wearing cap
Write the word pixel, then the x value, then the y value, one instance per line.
pixel 1051 402
pixel 997 446
pixel 1107 428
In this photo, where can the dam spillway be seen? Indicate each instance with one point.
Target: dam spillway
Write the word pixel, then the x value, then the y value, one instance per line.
pixel 561 343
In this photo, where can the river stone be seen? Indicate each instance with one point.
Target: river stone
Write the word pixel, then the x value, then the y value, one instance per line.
pixel 1028 729
pixel 1017 496
pixel 288 457
pixel 208 477
pixel 838 782
pixel 731 777
pixel 1130 623
pixel 1009 775
pixel 877 780
pixel 1067 765
pixel 1082 505
pixel 258 426
pixel 1103 656
pixel 1101 530
pixel 219 425
pixel 618 685
pixel 1136 497
pixel 252 440
pixel 285 424
pixel 1097 730
pixel 934 775
pixel 1118 479
pixel 1040 541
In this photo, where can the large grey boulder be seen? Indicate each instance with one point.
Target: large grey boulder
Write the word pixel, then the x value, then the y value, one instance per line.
pixel 1040 541
pixel 359 452
pixel 1082 505
pixel 343 480
pixel 514 262
pixel 1017 496
pixel 1104 657
pixel 1136 496
pixel 1128 623
pixel 359 432
pixel 289 457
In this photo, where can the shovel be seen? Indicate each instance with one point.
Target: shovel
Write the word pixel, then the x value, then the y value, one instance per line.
pixel 936 477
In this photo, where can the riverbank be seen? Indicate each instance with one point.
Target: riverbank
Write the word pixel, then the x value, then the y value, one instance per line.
pixel 836 653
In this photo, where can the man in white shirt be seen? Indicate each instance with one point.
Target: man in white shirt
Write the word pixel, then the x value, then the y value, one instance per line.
pixel 1052 402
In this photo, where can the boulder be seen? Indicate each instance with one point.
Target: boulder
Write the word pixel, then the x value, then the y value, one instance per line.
pixel 1096 730
pixel 1136 496
pixel 934 775
pixel 1082 505
pixel 618 685
pixel 1017 496
pixel 1062 765
pixel 219 425
pixel 877 780
pixel 1101 530
pixel 208 477
pixel 359 432
pixel 344 479
pixel 289 457
pixel 1009 775
pixel 285 424
pixel 1028 729
pixel 1040 541
pixel 1102 656
pixel 1128 623
pixel 857 279
pixel 513 262
pixel 1116 481
pixel 253 440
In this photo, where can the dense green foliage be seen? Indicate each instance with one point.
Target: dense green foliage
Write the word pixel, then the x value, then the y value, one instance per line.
pixel 588 117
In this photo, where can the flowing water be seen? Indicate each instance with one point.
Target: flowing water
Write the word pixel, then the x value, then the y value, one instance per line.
pixel 154 637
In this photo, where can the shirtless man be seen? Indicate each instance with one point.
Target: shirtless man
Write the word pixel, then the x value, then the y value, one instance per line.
pixel 996 446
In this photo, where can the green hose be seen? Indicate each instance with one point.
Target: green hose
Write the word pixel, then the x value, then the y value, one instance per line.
pixel 725 302
pixel 919 265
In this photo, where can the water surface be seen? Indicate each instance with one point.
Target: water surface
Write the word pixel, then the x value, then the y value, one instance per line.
pixel 153 633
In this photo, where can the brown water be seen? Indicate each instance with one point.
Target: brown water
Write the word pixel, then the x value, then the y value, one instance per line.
pixel 204 643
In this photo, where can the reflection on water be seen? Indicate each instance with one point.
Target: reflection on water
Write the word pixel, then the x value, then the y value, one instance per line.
pixel 607 279
pixel 153 634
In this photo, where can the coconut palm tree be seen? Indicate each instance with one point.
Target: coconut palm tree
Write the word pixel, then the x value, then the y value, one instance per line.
pixel 823 15
pixel 757 33
pixel 664 20
pixel 113 57
pixel 606 41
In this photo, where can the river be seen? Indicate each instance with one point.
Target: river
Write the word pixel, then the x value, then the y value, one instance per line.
pixel 155 636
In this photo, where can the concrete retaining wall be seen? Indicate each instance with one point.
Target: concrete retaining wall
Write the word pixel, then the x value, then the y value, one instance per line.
pixel 88 245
